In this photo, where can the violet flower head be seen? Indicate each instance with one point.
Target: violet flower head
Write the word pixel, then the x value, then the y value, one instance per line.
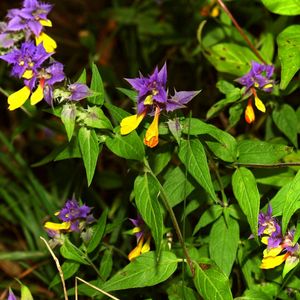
pixel 151 90
pixel 78 91
pixel 139 227
pixel 32 16
pixel 11 295
pixel 258 77
pixel 28 58
pixel 268 224
pixel 288 243
pixel 75 214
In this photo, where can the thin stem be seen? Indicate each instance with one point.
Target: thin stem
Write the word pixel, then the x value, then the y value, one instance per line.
pixel 268 166
pixel 166 202
pixel 240 30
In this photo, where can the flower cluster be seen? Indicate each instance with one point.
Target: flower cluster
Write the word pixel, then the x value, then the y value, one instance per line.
pixel 153 97
pixel 280 248
pixel 258 78
pixel 74 217
pixel 143 237
pixel 28 49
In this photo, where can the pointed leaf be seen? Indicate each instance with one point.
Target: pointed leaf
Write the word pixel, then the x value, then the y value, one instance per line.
pixel 127 146
pixel 192 155
pixel 146 192
pixel 286 120
pixel 97 87
pixel 292 202
pixel 145 270
pixel 88 143
pixel 223 243
pixel 68 116
pixel 98 231
pixel 246 192
pixel 211 283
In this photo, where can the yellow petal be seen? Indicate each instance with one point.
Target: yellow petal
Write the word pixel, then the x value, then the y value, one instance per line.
pixel 18 98
pixel 249 113
pixel 48 42
pixel 148 100
pixel 47 23
pixel 272 251
pixel 273 261
pixel 37 95
pixel 57 226
pixel 136 230
pixel 146 246
pixel 130 123
pixel 259 104
pixel 27 74
pixel 151 137
pixel 265 239
pixel 137 250
pixel 215 12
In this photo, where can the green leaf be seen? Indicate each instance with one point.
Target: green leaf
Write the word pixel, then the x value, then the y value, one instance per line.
pixel 210 215
pixel 211 283
pixel 289 52
pixel 97 87
pixel 259 152
pixel 71 252
pixel 230 58
pixel 146 192
pixel 224 147
pixel 192 155
pixel 223 243
pixel 127 146
pixel 68 116
pixel 106 264
pixel 94 117
pixel 88 143
pixel 116 112
pixel 82 77
pixel 131 94
pixel 247 195
pixel 286 7
pixel 143 271
pixel 98 231
pixel 177 186
pixel 267 48
pixel 69 268
pixel 285 118
pixel 292 202
pixel 71 150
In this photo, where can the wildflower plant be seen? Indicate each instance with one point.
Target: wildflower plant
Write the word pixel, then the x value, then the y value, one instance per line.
pixel 201 171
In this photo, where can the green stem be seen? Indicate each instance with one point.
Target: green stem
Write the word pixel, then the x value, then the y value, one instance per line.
pixel 240 30
pixel 268 166
pixel 166 202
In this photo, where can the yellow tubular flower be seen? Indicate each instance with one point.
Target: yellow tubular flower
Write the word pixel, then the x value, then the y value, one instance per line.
pixel 271 262
pixel 57 226
pixel 146 246
pixel 47 23
pixel 137 250
pixel 249 113
pixel 48 42
pixel 259 104
pixel 37 95
pixel 151 137
pixel 130 123
pixel 272 251
pixel 18 98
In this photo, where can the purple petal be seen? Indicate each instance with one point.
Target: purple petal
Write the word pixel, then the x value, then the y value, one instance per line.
pixel 179 99
pixel 11 295
pixel 162 75
pixel 78 91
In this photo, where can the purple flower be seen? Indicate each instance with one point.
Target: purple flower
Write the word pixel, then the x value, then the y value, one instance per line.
pixel 28 58
pixel 139 227
pixel 11 295
pixel 258 77
pixel 74 214
pixel 78 91
pixel 152 99
pixel 151 90
pixel 31 17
